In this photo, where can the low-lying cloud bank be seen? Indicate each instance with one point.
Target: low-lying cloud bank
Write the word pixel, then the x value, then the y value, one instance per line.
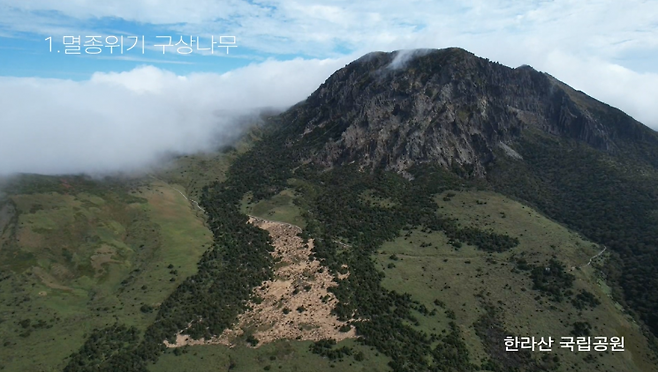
pixel 125 121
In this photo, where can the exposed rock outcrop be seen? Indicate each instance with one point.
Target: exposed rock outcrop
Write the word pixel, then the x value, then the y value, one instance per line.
pixel 444 106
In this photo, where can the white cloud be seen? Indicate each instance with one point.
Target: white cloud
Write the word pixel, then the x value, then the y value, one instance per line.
pixel 123 121
pixel 146 11
pixel 601 26
pixel 404 56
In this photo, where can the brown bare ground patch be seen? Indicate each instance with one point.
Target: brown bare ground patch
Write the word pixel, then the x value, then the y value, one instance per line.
pixel 295 305
pixel 29 238
pixel 103 256
pixel 60 272
pixel 48 280
pixel 164 199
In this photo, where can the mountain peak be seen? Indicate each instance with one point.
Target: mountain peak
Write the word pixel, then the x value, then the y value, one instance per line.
pixel 398 59
pixel 447 106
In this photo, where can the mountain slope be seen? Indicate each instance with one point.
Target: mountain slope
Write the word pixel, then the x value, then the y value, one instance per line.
pixel 578 160
pixel 77 254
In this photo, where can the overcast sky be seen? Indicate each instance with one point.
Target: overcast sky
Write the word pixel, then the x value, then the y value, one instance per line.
pixel 86 112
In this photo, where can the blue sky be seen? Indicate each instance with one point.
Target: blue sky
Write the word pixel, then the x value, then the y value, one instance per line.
pixel 88 105
pixel 113 44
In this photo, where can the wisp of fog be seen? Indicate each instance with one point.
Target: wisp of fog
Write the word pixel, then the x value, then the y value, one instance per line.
pixel 402 57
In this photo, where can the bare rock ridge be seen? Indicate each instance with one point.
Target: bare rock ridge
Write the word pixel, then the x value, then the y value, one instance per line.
pixel 448 106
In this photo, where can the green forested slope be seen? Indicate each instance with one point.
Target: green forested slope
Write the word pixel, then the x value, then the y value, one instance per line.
pixel 612 200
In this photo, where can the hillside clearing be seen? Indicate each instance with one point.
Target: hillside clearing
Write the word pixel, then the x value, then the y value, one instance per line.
pixel 295 305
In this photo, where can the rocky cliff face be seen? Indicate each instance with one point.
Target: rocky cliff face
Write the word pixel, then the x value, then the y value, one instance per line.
pixel 394 110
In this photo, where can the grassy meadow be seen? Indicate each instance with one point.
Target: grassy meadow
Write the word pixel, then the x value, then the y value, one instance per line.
pixel 468 281
pixel 88 257
pixel 282 355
